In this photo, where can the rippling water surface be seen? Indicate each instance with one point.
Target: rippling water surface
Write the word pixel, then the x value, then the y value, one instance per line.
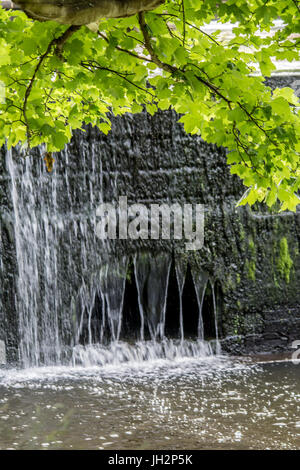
pixel 209 403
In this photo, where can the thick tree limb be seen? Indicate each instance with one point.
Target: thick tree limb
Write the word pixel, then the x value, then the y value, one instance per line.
pixel 8 5
pixel 83 12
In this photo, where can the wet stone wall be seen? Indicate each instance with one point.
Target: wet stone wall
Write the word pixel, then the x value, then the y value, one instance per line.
pixel 51 258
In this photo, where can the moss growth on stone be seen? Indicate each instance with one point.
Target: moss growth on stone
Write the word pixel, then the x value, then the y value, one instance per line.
pixel 250 265
pixel 284 262
pixel 236 324
pixel 242 233
pixel 251 269
pixel 252 247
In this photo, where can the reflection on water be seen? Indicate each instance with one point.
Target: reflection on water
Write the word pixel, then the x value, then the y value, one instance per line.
pixel 210 403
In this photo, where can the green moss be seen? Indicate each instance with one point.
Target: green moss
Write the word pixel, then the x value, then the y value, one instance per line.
pixel 250 264
pixel 229 283
pixel 284 262
pixel 242 233
pixel 236 324
pixel 251 269
pixel 252 247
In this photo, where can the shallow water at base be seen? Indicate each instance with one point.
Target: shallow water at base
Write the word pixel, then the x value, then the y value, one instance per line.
pixel 210 403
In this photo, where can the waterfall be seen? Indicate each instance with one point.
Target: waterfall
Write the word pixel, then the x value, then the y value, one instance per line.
pixel 119 352
pixel 70 286
pixel 35 238
pixel 113 290
pixel 217 342
pixel 46 258
pixel 152 278
pixel 200 279
pixel 180 269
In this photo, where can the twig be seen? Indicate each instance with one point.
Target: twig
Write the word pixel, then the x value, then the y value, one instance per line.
pixel 297 5
pixel 97 66
pixel 256 123
pixel 148 45
pixel 137 56
pixel 170 15
pixel 58 42
pixel 184 23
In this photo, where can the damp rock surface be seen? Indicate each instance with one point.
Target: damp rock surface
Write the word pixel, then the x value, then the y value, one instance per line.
pixel 242 286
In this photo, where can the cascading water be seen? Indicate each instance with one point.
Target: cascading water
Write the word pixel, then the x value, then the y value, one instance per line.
pixel 152 276
pixel 37 296
pixel 110 289
pixel 180 268
pixel 200 283
pixel 217 342
pixel 70 290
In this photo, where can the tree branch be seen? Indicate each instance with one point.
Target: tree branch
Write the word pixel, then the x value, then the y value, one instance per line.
pixel 8 5
pixel 171 69
pixel 58 42
pixel 297 4
pixel 148 45
pixel 121 49
pixel 95 65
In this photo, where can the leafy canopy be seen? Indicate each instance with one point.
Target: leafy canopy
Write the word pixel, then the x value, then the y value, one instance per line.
pixel 57 77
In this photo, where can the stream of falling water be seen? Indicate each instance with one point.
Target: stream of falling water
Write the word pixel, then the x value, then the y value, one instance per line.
pixel 62 273
pixel 37 293
pixel 180 269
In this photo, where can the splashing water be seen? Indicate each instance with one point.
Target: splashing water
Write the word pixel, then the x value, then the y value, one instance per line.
pixel 70 292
